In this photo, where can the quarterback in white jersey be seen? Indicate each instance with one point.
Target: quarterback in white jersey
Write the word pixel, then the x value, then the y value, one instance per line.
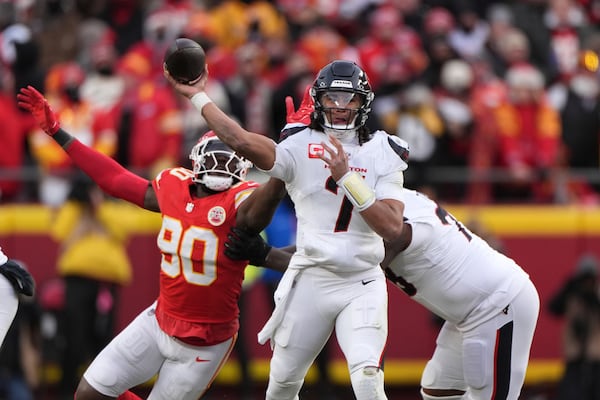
pixel 346 185
pixel 489 304
pixel 330 232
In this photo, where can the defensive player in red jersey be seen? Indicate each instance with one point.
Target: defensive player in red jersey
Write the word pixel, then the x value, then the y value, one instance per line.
pixel 187 334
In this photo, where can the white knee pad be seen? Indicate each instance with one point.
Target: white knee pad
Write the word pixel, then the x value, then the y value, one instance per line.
pixel 429 374
pixel 425 396
pixel 433 377
pixel 368 384
pixel 283 390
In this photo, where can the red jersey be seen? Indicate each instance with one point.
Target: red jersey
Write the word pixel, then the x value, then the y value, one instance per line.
pixel 199 285
pixel 11 137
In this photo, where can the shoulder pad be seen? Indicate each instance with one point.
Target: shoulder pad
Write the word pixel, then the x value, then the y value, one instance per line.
pixel 399 146
pixel 287 132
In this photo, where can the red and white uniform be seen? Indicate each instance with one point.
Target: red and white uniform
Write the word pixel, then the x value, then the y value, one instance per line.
pixel 188 333
pixel 488 301
pixel 199 285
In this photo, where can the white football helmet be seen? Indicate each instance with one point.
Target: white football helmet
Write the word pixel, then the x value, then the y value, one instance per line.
pixel 216 165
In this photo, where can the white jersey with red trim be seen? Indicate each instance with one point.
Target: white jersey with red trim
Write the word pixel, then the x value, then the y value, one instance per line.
pixel 449 269
pixel 331 233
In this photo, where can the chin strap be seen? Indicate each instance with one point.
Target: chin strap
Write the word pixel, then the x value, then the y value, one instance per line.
pixel 343 136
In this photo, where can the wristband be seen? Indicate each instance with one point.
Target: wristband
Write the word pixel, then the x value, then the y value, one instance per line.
pixel 63 138
pixel 199 100
pixel 357 191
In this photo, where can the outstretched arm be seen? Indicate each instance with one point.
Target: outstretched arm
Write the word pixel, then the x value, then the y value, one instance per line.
pixel 255 147
pixel 113 178
pixel 256 212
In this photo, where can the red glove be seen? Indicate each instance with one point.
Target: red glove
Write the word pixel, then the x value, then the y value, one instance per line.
pixel 302 116
pixel 34 102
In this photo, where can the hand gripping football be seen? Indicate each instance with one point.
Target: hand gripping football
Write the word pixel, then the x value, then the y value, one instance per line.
pixel 185 60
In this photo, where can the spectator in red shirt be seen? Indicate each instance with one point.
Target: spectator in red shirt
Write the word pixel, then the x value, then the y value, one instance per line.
pixel 11 137
pixel 63 87
pixel 389 43
pixel 149 123
pixel 529 136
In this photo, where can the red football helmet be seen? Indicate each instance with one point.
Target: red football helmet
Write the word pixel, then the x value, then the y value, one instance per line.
pixel 216 165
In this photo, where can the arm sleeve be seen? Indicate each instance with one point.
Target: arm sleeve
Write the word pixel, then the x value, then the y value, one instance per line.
pixel 113 178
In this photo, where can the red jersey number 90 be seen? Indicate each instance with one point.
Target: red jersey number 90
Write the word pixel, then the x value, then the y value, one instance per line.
pixel 178 245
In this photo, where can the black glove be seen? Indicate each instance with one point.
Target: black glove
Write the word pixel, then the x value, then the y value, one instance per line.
pixel 243 245
pixel 18 276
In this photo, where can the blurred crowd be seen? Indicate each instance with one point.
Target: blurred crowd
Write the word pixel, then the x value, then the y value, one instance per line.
pixel 499 100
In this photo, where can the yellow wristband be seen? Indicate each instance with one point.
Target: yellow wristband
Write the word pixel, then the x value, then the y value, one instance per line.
pixel 199 100
pixel 357 191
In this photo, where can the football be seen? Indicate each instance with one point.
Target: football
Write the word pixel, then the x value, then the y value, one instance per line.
pixel 185 60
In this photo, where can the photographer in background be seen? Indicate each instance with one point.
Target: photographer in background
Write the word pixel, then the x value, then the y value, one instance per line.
pixel 578 302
